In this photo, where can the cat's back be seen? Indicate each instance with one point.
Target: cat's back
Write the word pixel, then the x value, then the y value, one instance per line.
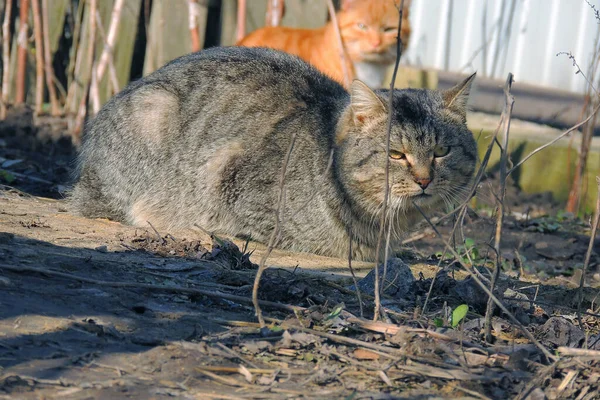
pixel 224 83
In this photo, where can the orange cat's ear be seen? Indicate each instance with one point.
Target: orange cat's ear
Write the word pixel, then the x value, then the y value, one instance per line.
pixel 345 5
pixel 455 98
pixel 364 102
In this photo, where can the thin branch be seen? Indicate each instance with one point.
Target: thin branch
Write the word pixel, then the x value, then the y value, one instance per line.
pixel 54 106
pixel 39 56
pixel 483 287
pixel 556 139
pixel 112 71
pixel 82 111
pixel 241 20
pixel 340 42
pixel 509 101
pixel 274 235
pixel 6 58
pixel 358 296
pixel 22 51
pixel 588 254
pixel 386 195
pixel 151 287
pixel 106 57
pixel 193 14
pixel 275 9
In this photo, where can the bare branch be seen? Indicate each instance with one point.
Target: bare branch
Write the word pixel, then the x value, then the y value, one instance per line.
pixel 22 51
pixel 341 47
pixel 387 166
pixel 39 56
pixel 508 107
pixel 241 21
pixel 275 234
pixel 5 58
pixel 588 254
pixel 193 12
pixel 54 106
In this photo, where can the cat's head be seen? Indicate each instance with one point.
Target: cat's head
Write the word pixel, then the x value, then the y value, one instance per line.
pixel 369 29
pixel 432 156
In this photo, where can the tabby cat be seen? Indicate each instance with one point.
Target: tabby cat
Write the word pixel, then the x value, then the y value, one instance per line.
pixel 202 141
pixel 368 29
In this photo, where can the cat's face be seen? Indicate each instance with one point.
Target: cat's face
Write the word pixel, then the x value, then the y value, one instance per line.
pixel 432 153
pixel 369 29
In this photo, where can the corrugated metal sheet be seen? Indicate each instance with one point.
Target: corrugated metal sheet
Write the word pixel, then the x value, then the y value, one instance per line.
pixel 495 37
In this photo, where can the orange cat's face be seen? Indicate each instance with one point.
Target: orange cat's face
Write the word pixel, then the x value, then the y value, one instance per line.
pixel 369 29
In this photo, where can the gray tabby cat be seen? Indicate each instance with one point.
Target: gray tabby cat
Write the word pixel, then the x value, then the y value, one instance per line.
pixel 202 141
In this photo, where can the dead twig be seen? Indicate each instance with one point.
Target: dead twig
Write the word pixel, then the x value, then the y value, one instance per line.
pixel 556 139
pixel 487 291
pixel 386 195
pixel 90 87
pixel 341 47
pixel 575 352
pixel 588 254
pixel 509 101
pixel 193 13
pixel 48 69
pixel 240 31
pixel 22 51
pixel 358 296
pixel 114 80
pixel 275 9
pixel 274 234
pixel 39 56
pixel 151 287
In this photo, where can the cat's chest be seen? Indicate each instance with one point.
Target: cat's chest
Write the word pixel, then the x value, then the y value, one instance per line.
pixel 370 73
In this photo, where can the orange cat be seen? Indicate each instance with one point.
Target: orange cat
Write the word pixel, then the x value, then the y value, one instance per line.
pixel 368 29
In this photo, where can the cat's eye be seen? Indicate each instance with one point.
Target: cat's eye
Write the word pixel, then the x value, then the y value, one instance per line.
pixel 397 155
pixel 441 151
pixel 361 26
pixel 390 29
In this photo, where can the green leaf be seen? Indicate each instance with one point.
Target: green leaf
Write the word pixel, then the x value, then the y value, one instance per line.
pixel 275 328
pixel 438 322
pixel 6 176
pixel 458 314
pixel 469 242
pixel 336 311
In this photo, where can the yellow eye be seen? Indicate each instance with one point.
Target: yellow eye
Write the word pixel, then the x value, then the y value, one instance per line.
pixel 397 155
pixel 441 151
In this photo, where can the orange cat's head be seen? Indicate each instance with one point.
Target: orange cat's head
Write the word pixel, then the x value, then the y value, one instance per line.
pixel 369 29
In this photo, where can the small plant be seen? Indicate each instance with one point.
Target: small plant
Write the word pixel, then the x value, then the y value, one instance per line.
pixel 458 314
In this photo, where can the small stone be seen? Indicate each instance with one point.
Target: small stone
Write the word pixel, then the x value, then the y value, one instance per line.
pixel 10 163
pixel 596 276
pixel 398 280
pixel 102 249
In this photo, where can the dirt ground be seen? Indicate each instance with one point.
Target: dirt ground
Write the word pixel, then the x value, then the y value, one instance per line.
pixel 96 309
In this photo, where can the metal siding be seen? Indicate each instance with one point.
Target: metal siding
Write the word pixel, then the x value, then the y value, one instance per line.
pixel 527 45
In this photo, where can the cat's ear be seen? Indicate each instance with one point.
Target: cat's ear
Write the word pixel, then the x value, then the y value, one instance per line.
pixel 456 98
pixel 345 5
pixel 364 102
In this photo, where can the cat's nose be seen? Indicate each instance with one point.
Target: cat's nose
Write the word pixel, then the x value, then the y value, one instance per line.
pixel 423 182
